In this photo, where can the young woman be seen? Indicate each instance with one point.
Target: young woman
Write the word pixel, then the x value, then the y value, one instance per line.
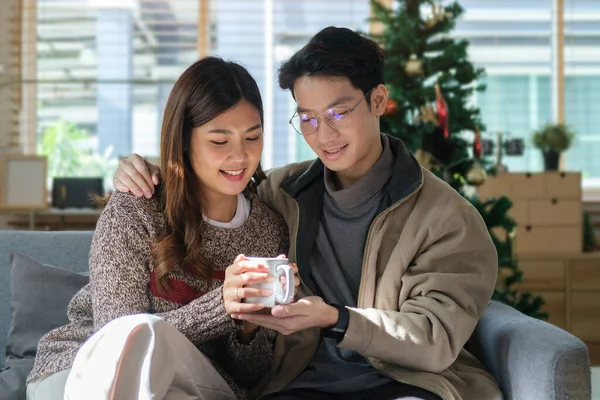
pixel 167 272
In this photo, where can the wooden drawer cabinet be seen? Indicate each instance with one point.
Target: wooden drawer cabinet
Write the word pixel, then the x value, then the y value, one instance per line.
pixel 555 307
pixel 570 287
pixel 538 239
pixel 585 316
pixel 541 276
pixel 546 207
pixel 554 212
pixel 585 275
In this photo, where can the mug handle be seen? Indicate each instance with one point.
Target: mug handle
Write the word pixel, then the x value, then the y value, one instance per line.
pixel 288 296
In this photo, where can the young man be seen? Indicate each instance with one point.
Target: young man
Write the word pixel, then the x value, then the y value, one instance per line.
pixel 396 266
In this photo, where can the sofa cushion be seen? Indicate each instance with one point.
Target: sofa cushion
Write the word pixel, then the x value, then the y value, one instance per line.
pixel 12 378
pixel 39 297
pixel 67 249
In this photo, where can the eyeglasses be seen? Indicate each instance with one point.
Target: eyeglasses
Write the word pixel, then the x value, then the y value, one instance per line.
pixel 338 118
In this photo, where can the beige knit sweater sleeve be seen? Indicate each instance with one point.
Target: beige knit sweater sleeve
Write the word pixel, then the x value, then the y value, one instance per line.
pixel 120 275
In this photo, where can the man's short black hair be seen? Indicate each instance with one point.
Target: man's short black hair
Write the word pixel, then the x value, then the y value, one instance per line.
pixel 337 52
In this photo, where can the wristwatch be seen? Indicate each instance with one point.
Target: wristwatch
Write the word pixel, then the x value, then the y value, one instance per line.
pixel 338 331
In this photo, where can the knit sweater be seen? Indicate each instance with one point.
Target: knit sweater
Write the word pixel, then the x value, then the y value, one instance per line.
pixel 122 283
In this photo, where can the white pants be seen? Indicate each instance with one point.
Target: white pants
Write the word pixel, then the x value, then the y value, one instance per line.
pixel 136 357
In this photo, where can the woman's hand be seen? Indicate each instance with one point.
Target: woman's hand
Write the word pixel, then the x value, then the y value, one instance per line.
pixel 238 275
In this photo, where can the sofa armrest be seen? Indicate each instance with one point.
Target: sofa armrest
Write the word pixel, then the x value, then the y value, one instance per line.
pixel 532 359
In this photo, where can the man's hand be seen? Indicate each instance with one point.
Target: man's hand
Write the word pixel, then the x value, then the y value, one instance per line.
pixel 136 175
pixel 307 312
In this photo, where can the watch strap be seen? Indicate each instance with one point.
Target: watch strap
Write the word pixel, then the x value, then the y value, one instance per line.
pixel 338 331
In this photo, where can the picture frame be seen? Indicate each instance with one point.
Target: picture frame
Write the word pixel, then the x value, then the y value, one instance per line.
pixel 23 182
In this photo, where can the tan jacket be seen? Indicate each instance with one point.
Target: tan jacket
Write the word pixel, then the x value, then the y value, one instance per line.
pixel 429 271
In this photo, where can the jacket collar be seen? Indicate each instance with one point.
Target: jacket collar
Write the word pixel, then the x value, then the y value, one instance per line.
pixel 406 177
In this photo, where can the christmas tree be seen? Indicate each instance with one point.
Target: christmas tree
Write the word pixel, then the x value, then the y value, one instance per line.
pixel 431 84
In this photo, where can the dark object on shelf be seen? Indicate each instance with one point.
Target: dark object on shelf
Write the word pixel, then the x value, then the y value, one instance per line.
pixel 487 147
pixel 76 192
pixel 514 147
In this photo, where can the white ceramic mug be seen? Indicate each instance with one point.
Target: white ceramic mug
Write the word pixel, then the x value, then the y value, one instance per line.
pixel 278 267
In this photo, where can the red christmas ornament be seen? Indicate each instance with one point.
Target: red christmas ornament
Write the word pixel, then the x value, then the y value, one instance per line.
pixel 390 108
pixel 442 111
pixel 477 147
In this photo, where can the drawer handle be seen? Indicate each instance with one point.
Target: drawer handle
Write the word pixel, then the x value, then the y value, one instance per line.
pixel 528 228
pixel 554 200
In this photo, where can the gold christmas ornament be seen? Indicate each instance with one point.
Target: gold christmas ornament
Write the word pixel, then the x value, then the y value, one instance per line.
pixel 476 175
pixel 437 15
pixel 414 66
pixel 427 114
pixel 424 159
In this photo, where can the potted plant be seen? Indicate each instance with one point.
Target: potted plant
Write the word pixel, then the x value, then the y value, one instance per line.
pixel 552 140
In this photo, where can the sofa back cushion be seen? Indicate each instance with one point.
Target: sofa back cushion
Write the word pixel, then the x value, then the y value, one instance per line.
pixel 68 250
pixel 40 294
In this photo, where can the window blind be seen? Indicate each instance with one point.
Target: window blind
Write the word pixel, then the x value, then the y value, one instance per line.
pixel 105 68
pixel 512 41
pixel 261 34
pixel 10 74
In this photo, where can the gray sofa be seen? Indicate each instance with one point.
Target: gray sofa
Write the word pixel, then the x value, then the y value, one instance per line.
pixel 530 359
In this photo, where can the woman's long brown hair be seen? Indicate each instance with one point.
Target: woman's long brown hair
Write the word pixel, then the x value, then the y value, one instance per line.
pixel 205 90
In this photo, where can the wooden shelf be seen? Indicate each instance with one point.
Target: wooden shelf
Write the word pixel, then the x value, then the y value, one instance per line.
pixel 53 219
